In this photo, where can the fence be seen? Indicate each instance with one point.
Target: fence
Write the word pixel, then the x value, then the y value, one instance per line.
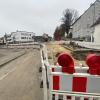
pixel 77 84
pixel 23 45
pixel 54 91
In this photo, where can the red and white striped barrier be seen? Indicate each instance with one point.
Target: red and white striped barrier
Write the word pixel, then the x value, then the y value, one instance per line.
pixel 68 81
pixel 66 77
pixel 76 83
pixel 77 69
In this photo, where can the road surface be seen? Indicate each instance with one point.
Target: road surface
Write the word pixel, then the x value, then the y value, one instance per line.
pixel 19 80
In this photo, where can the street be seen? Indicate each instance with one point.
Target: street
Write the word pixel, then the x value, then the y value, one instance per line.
pixel 19 79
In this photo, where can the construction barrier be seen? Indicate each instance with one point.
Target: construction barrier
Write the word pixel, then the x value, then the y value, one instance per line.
pixel 69 82
pixel 77 69
pixel 75 83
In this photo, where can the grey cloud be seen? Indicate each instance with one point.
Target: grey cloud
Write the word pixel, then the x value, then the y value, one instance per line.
pixel 36 15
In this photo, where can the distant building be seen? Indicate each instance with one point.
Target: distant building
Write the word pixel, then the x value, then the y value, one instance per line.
pixel 82 26
pixel 2 41
pixel 43 38
pixel 38 39
pixel 8 38
pixel 20 36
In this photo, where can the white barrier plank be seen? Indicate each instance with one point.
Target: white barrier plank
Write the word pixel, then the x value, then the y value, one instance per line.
pixel 56 97
pixel 73 97
pixel 81 98
pixel 64 97
pixel 91 98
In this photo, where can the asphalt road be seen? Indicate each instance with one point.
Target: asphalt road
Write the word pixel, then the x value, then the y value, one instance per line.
pixel 19 80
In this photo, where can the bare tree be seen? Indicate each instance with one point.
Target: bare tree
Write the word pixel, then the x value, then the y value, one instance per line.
pixel 57 35
pixel 62 29
pixel 69 17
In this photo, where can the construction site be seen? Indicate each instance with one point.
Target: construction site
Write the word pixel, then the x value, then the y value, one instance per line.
pixel 29 71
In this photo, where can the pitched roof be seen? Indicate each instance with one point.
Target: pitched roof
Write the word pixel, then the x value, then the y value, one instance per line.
pixel 86 10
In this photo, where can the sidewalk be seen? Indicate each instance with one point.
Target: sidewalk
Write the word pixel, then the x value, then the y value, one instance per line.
pixel 6 59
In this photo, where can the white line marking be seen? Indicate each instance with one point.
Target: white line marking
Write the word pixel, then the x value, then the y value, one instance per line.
pixel 7 74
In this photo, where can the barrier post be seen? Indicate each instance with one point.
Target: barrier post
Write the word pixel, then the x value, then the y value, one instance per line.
pixel 44 78
pixel 73 97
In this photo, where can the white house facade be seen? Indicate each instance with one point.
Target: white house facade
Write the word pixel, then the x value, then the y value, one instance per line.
pixel 97 32
pixel 82 26
pixel 22 36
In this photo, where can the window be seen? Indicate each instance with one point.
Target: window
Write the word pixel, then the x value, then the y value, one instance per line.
pixel 23 37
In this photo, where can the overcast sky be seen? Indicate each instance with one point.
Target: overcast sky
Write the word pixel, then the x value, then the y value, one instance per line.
pixel 38 16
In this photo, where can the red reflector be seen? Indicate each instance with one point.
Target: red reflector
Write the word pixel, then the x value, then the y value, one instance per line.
pixel 93 61
pixel 93 71
pixel 65 60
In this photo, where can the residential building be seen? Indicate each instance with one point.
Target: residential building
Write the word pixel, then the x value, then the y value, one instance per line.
pixel 82 26
pixel 2 41
pixel 97 31
pixel 20 36
pixel 8 38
